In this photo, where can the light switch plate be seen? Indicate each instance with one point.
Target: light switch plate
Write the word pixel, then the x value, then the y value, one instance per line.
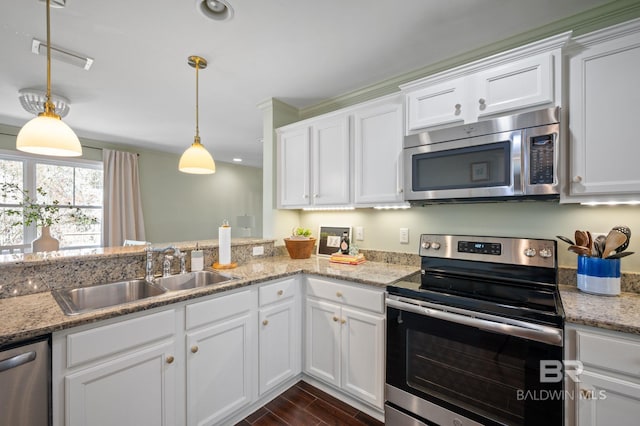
pixel 258 251
pixel 404 235
pixel 359 233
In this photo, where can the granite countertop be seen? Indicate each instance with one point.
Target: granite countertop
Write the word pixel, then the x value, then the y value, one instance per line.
pixel 617 313
pixel 25 317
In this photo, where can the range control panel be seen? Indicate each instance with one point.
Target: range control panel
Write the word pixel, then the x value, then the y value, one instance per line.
pixel 516 251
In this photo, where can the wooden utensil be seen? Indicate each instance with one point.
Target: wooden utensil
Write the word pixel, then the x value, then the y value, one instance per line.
pixel 626 231
pixel 589 243
pixel 615 240
pixel 598 245
pixel 581 238
pixel 579 250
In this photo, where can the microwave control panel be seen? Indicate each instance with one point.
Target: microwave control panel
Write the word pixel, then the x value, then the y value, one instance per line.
pixel 541 158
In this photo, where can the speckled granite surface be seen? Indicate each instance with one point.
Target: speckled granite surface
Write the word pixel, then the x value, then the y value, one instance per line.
pixel 618 313
pixel 27 316
pixel 22 274
pixel 629 282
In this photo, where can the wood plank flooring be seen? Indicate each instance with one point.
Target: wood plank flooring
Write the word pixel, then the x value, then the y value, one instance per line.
pixel 302 405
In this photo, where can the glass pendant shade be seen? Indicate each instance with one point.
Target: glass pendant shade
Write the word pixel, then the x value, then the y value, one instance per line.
pixel 197 160
pixel 46 135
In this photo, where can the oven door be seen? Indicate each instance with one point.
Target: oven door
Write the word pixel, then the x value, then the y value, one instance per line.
pixel 478 167
pixel 444 367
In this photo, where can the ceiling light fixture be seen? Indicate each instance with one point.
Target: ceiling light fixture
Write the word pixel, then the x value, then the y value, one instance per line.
pixel 218 10
pixel 39 47
pixel 47 134
pixel 196 159
pixel 32 100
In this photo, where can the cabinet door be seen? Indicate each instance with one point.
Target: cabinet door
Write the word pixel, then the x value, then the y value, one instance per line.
pixel 604 95
pixel 279 334
pixel 604 400
pixel 520 84
pixel 293 167
pixel 331 184
pixel 132 390
pixel 362 337
pixel 441 103
pixel 322 349
pixel 378 153
pixel 219 372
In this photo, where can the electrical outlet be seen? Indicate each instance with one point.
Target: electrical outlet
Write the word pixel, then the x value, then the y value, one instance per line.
pixel 359 233
pixel 404 235
pixel 258 250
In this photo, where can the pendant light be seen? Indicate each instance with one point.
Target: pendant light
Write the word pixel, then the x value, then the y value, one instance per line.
pixel 196 159
pixel 47 134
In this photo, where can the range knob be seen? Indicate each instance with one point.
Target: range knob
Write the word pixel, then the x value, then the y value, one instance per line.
pixel 426 244
pixel 530 252
pixel 546 252
pixel 435 246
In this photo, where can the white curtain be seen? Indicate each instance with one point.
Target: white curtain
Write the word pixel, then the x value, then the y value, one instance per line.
pixel 122 218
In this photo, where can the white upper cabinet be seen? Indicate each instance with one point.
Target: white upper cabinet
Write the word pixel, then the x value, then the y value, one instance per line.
pixel 330 162
pixel 351 157
pixel 604 94
pixel 313 163
pixel 519 80
pixel 294 167
pixel 378 153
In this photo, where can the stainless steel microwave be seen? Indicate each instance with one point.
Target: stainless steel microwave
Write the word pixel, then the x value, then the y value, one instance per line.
pixel 507 158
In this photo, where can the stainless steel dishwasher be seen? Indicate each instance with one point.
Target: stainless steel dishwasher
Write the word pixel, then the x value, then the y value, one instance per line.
pixel 25 384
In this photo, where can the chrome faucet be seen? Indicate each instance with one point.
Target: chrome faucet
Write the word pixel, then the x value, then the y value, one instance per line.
pixel 166 264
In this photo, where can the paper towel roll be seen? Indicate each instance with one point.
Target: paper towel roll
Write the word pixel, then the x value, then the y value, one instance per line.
pixel 224 245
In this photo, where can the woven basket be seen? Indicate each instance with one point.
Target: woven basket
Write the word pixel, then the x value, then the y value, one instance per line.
pixel 300 249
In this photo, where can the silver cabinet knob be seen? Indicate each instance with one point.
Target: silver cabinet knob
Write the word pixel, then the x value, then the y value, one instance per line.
pixel 280 292
pixel 577 179
pixel 194 349
pixel 170 359
pixel 458 106
pixel 481 101
pixel 336 319
pixel 338 294
pixel 265 322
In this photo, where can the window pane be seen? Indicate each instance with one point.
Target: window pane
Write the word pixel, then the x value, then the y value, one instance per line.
pixel 10 235
pixel 74 234
pixel 88 187
pixel 57 182
pixel 10 172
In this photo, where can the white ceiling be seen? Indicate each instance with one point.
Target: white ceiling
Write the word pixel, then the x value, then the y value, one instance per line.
pixel 141 92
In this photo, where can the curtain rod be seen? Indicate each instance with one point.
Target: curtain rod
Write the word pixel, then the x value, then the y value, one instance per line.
pixel 84 146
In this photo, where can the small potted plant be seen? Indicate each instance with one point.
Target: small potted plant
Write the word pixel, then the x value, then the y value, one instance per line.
pixel 300 244
pixel 42 214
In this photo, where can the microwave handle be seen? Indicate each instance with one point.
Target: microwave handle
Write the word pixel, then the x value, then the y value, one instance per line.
pixel 540 333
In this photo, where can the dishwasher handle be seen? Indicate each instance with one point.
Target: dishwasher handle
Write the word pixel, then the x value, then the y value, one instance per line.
pixel 16 361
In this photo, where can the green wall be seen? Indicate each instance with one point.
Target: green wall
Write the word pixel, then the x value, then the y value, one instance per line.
pixel 536 220
pixel 178 206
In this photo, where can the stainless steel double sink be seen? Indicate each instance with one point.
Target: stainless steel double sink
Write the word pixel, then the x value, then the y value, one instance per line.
pixel 80 300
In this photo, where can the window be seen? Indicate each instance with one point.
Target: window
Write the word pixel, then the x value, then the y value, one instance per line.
pixel 73 183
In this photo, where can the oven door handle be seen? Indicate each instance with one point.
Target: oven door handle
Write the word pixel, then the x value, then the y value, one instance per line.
pixel 535 332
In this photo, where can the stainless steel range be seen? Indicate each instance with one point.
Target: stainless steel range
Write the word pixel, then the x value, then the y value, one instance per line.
pixel 468 344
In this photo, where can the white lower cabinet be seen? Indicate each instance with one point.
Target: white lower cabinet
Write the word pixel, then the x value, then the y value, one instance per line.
pixel 344 338
pixel 220 357
pixel 607 390
pixel 279 333
pixel 122 373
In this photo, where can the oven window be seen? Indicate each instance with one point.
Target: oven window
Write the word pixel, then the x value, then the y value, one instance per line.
pixel 472 167
pixel 473 369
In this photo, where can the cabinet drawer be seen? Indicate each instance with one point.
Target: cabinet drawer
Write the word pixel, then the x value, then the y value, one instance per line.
pixel 277 291
pixel 96 343
pixel 346 294
pixel 213 310
pixel 609 352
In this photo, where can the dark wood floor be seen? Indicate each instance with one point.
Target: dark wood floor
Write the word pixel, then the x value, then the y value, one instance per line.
pixel 302 405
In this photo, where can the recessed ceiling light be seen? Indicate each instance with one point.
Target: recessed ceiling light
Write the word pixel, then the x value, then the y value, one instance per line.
pixel 238 160
pixel 218 10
